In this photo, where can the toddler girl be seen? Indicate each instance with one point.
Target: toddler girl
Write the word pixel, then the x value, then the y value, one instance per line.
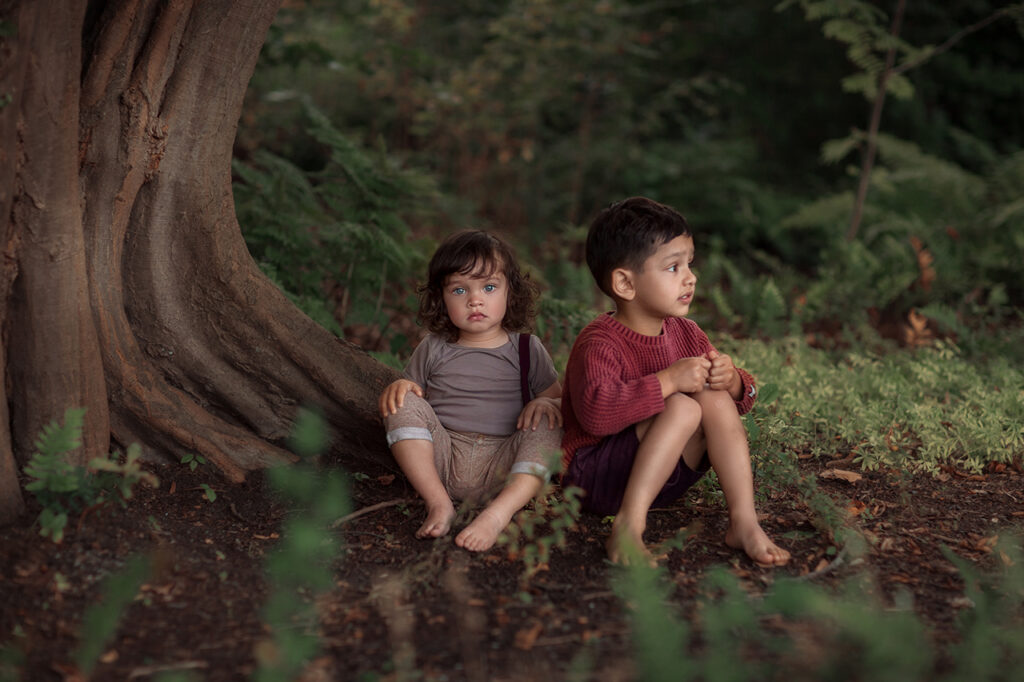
pixel 468 418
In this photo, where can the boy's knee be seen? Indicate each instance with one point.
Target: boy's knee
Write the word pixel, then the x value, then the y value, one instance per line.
pixel 710 401
pixel 684 410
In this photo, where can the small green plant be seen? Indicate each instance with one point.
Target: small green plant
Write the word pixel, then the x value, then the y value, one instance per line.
pixel 63 488
pixel 192 461
pixel 300 568
pixel 209 493
pixel 802 631
pixel 542 526
pixel 101 620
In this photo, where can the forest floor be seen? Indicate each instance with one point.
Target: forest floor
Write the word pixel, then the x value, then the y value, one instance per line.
pixel 457 615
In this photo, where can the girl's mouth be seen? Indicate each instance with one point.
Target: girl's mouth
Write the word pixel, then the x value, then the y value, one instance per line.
pixel 476 317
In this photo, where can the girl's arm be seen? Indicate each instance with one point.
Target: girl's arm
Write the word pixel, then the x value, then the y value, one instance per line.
pixel 548 403
pixel 394 395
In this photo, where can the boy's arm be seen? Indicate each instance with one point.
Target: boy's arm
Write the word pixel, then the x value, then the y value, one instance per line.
pixel 603 401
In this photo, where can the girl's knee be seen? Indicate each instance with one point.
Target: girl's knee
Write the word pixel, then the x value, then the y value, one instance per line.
pixel 415 411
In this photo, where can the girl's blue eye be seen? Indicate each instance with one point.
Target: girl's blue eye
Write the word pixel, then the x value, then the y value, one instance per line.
pixel 458 291
pixel 489 288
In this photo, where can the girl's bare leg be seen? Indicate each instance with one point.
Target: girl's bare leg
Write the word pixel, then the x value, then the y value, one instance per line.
pixel 729 453
pixel 483 532
pixel 662 442
pixel 416 459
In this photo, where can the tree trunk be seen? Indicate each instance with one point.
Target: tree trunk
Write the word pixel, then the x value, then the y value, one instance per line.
pixel 166 330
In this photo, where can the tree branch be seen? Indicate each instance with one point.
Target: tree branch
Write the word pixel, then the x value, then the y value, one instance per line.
pixel 876 119
pixel 956 38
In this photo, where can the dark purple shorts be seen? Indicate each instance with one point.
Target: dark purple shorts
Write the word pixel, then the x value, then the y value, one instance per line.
pixel 602 471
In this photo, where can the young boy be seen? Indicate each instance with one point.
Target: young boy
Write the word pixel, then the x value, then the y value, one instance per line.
pixel 648 403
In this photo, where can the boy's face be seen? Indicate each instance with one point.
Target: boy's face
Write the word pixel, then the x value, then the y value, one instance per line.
pixel 665 286
pixel 476 302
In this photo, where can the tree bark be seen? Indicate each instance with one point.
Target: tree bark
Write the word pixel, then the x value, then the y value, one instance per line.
pixel 188 347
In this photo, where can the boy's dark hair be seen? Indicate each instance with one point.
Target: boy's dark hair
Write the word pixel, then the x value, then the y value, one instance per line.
pixel 474 252
pixel 627 233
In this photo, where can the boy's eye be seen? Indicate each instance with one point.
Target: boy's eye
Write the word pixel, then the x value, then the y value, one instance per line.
pixel 673 268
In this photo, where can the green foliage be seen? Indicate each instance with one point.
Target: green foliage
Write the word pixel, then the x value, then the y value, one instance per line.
pixel 192 460
pixel 915 411
pixel 659 635
pixel 992 644
pixel 336 240
pixel 800 631
pixel 100 622
pixel 864 29
pixel 63 488
pixel 300 568
pixel 541 527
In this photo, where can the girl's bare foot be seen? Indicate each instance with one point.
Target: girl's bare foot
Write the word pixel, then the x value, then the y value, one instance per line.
pixel 482 533
pixel 439 520
pixel 626 545
pixel 752 539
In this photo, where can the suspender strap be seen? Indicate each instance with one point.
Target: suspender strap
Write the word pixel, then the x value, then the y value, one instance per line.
pixel 524 367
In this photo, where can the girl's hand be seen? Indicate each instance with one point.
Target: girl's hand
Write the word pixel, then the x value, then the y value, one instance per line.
pixel 535 411
pixel 394 395
pixel 723 375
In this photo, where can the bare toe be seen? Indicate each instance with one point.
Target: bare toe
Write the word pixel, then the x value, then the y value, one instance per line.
pixel 626 546
pixel 758 546
pixel 482 533
pixel 438 523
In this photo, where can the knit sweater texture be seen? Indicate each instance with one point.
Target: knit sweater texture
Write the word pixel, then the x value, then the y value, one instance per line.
pixel 610 380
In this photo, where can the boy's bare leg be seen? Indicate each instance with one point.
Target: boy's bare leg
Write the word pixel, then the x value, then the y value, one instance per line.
pixel 483 532
pixel 416 459
pixel 729 453
pixel 662 441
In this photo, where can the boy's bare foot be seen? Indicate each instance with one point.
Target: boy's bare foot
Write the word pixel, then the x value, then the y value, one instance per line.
pixel 752 539
pixel 439 521
pixel 482 533
pixel 625 545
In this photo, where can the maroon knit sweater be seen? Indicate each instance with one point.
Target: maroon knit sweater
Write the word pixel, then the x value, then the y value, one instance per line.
pixel 610 380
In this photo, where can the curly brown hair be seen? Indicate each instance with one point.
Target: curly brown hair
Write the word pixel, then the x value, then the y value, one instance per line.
pixel 479 253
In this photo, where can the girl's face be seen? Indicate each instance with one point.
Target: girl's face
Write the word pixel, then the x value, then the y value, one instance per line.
pixel 476 304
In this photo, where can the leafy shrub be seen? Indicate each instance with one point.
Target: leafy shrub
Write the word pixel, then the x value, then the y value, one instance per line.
pixel 335 240
pixel 63 488
pixel 799 631
pixel 916 410
pixel 300 567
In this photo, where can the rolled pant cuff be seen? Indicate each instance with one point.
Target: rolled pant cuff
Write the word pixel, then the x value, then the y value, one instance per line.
pixel 408 433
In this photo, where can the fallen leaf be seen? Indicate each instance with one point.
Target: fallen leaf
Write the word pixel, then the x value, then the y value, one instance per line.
pixel 924 264
pixel 841 475
pixel 986 544
pixel 526 637
pixel 387 479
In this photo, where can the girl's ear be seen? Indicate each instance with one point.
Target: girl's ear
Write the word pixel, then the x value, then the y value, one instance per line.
pixel 622 284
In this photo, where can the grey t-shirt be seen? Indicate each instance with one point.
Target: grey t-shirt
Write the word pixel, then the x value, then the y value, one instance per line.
pixel 476 390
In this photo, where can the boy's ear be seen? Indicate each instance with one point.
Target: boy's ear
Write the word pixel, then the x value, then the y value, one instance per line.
pixel 622 284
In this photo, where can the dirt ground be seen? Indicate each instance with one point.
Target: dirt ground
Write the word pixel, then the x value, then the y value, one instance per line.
pixel 459 616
